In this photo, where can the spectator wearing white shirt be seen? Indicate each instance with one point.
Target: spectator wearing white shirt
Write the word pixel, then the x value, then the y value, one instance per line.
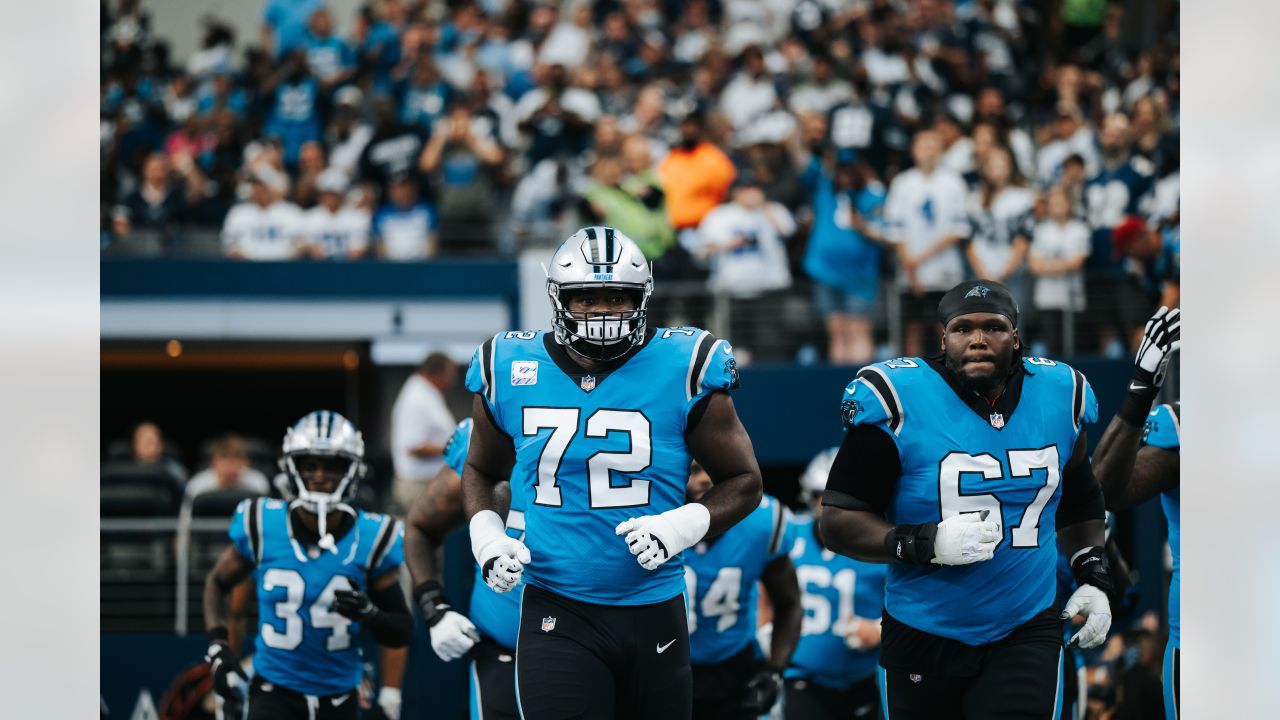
pixel 228 470
pixel 999 216
pixel 266 227
pixel 743 242
pixel 333 230
pixel 405 228
pixel 420 426
pixel 925 217
pixel 1059 247
pixel 750 93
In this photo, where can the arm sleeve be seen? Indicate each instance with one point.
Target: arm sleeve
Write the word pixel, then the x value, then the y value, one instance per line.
pixel 1081 496
pixel 865 472
pixel 393 624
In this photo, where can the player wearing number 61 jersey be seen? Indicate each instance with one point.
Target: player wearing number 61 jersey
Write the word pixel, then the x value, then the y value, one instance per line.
pixel 596 424
pixel 325 573
pixel 966 473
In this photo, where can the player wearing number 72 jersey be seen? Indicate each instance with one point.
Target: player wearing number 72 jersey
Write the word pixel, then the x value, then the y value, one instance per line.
pixel 595 424
pixel 965 473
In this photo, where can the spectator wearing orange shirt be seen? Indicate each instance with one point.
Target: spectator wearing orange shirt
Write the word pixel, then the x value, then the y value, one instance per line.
pixel 696 176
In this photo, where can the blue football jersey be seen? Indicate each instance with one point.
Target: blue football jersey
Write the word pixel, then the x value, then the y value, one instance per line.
pixel 832 588
pixel 1164 430
pixel 594 449
pixel 955 460
pixel 721 577
pixel 303 644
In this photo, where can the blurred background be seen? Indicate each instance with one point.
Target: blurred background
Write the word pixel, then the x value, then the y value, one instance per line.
pixel 309 204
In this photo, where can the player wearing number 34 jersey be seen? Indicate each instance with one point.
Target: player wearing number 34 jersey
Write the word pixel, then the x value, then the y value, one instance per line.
pixel 596 424
pixel 966 473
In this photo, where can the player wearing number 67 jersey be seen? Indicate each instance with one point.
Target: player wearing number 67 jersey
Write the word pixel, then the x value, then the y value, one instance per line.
pixel 325 573
pixel 966 473
pixel 730 679
pixel 596 424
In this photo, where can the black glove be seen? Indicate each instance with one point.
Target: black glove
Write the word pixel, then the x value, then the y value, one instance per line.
pixel 223 665
pixel 762 691
pixel 354 604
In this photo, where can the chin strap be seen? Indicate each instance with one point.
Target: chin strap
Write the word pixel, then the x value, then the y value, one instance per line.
pixel 327 541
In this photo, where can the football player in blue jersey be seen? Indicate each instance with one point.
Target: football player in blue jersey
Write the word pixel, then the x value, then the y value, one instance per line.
pixel 596 424
pixel 833 670
pixel 489 635
pixel 1138 457
pixel 966 472
pixel 722 576
pixel 325 572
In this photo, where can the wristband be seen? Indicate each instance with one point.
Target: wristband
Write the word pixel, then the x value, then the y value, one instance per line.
pixel 1090 567
pixel 431 599
pixel 218 632
pixel 1137 404
pixel 911 543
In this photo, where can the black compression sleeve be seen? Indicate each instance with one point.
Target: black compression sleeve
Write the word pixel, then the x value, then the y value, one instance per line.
pixel 865 471
pixel 392 625
pixel 1081 496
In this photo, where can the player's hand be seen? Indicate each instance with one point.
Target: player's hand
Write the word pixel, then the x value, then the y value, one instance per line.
pixel 655 539
pixel 1091 603
pixel 228 678
pixel 501 558
pixel 762 691
pixel 860 633
pixel 965 538
pixel 354 604
pixel 1162 336
pixel 389 702
pixel 453 635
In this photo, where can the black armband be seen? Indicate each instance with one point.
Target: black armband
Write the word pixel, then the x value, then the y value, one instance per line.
pixel 1082 498
pixel 218 632
pixel 1090 567
pixel 912 543
pixel 430 598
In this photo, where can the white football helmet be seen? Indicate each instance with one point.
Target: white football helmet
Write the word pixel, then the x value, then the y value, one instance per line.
pixel 814 479
pixel 323 433
pixel 599 257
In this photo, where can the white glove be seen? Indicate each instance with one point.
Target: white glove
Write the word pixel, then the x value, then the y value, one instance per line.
pixel 453 635
pixel 965 538
pixel 1160 338
pixel 655 539
pixel 389 701
pixel 1092 603
pixel 502 558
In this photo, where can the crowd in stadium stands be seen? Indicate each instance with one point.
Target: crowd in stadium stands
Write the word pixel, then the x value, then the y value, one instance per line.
pixel 911 142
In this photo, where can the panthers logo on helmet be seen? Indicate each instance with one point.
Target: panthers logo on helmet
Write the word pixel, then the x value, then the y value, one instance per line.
pixel 850 409
pixel 978 291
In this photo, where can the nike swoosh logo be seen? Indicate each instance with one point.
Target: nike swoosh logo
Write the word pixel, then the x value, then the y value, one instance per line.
pixel 664 647
pixel 340 699
pixel 566 263
pixel 1137 386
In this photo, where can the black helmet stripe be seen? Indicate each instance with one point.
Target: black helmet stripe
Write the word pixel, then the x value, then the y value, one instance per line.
pixel 608 248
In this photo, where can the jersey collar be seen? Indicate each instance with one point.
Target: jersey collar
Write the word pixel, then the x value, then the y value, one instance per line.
pixel 1003 406
pixel 560 356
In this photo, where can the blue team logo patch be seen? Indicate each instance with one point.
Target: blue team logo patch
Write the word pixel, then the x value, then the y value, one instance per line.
pixel 1147 428
pixel 524 372
pixel 731 369
pixel 977 291
pixel 849 410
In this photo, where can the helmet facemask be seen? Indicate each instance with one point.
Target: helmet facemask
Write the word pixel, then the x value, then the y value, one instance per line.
pixel 600 335
pixel 320 439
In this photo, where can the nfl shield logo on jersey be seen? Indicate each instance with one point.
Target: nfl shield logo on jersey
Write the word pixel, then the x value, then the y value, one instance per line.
pixel 915 678
pixel 997 420
pixel 548 624
pixel 588 382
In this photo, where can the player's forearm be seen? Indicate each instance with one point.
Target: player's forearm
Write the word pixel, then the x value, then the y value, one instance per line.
pixel 783 590
pixel 214 603
pixel 1074 538
pixel 479 491
pixel 858 534
pixel 1113 461
pixel 391 625
pixel 732 499
pixel 435 512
